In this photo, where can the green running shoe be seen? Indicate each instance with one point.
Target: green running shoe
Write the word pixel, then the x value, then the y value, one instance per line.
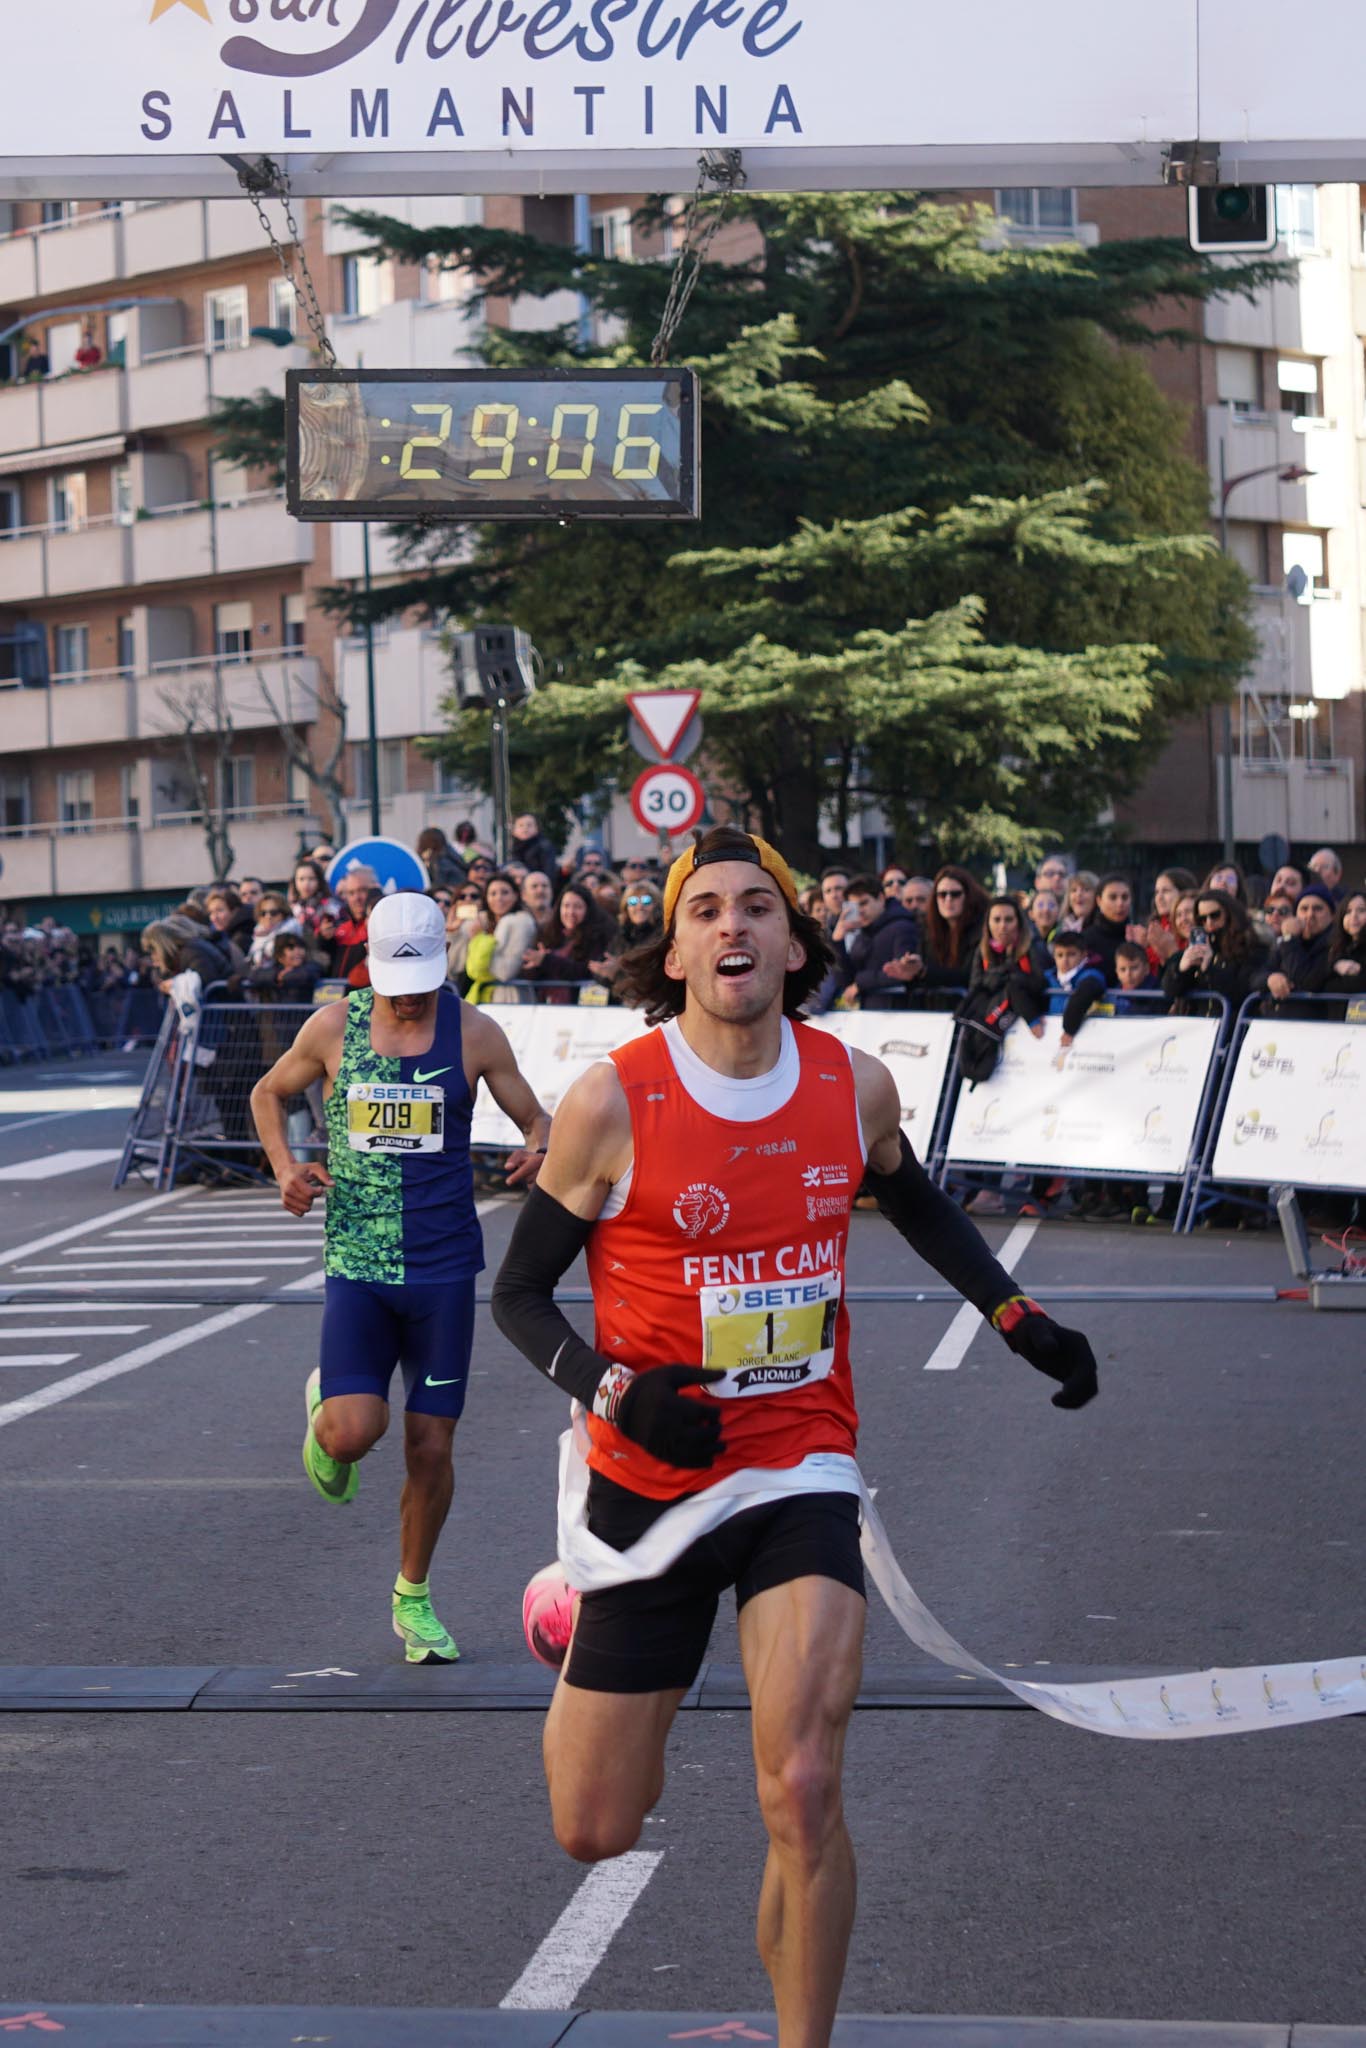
pixel 334 1480
pixel 424 1639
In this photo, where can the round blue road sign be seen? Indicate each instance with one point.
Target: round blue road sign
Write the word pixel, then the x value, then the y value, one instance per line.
pixel 396 865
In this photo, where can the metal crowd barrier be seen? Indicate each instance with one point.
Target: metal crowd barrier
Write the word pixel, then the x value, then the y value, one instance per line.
pixel 62 1019
pixel 1346 1071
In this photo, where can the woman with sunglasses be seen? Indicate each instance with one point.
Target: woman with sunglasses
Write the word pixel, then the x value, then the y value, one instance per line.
pixel 468 961
pixel 953 931
pixel 1223 955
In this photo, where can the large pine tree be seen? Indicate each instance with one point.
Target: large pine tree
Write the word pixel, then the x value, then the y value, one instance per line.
pixel 953 557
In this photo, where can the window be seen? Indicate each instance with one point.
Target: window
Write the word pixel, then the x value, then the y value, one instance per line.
pixel 440 285
pixel 14 802
pixel 294 614
pixel 116 339
pixel 70 652
pixel 76 800
pixel 130 799
pixel 1247 543
pixel 225 319
pixel 1237 378
pixel 128 645
pixel 610 234
pixel 63 339
pixel 237 783
pixel 1297 218
pixel 58 212
pixel 447 781
pixel 284 304
pixel 11 510
pixel 68 502
pixel 232 629
pixel 367 284
pixel 393 765
pixel 123 494
pixel 1039 209
pixel 1298 381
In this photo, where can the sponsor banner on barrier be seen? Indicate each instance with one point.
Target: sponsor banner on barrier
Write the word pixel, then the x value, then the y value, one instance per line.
pixel 1123 1098
pixel 1296 1108
pixel 915 1048
pixel 554 1045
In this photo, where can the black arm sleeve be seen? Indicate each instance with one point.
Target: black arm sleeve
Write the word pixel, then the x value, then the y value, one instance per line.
pixel 546 1240
pixel 936 1227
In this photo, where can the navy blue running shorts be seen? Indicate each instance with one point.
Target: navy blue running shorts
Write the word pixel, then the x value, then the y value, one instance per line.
pixel 426 1328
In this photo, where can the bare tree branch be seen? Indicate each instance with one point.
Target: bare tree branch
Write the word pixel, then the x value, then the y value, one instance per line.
pixel 198 713
pixel 323 775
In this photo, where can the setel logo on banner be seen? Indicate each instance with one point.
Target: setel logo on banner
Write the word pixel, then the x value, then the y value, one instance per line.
pixel 1296 1109
pixel 1123 1098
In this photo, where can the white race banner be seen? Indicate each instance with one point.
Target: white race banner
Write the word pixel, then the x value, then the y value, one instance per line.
pixel 553 1045
pixel 1123 1098
pixel 170 78
pixel 915 1048
pixel 1296 1108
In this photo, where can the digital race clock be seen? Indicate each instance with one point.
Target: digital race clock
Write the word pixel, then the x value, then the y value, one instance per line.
pixel 492 444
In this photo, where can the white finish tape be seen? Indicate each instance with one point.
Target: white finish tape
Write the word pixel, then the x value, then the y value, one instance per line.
pixel 1163 1709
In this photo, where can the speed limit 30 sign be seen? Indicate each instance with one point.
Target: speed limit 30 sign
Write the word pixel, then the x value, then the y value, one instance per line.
pixel 668 799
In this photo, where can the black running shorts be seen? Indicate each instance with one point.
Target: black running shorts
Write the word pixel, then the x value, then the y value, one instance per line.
pixel 652 1635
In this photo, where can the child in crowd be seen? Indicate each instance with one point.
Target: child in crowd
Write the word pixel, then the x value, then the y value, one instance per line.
pixel 1074 983
pixel 1133 974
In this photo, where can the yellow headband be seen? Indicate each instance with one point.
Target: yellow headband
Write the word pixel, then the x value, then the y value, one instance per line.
pixel 769 859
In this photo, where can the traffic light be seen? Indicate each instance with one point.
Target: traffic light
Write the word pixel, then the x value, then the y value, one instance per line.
pixel 1234 220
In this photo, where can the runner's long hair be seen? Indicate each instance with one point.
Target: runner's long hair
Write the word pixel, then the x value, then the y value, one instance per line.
pixel 642 983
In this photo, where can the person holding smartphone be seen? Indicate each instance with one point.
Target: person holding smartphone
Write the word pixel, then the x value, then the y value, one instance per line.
pixel 1223 955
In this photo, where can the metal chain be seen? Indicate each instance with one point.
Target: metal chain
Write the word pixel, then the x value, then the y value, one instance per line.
pixel 266 180
pixel 723 169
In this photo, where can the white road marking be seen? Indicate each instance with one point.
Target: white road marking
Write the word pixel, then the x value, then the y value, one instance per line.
pixel 79 1308
pixel 145 1354
pixel 133 1243
pixel 39 1358
pixel 85 1330
pixel 119 1215
pixel 119 1262
pixel 50 1164
pixel 87 1286
pixel 15 1101
pixel 952 1348
pixel 581 1937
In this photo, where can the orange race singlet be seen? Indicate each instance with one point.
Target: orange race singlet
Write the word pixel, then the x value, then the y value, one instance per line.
pixel 729 1252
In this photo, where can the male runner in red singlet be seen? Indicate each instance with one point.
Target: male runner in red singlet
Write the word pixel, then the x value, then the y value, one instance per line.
pixel 709 1167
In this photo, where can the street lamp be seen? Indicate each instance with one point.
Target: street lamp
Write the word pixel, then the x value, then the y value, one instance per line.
pixel 1286 473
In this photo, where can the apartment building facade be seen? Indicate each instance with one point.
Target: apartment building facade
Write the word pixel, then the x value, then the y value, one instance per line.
pixel 1273 387
pixel 159 615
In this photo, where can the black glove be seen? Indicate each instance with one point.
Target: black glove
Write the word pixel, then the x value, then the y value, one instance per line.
pixel 1065 1355
pixel 649 1407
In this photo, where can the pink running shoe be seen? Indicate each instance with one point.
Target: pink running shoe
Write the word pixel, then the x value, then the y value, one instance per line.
pixel 548 1615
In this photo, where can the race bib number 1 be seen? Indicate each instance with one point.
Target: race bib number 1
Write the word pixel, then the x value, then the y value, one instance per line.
pixel 771 1336
pixel 389 1117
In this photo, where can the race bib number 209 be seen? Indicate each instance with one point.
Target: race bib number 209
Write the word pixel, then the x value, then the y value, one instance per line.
pixel 770 1336
pixel 392 1117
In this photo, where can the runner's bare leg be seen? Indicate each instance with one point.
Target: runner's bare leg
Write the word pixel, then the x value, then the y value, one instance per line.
pixel 604 1765
pixel 426 1498
pixel 802 1646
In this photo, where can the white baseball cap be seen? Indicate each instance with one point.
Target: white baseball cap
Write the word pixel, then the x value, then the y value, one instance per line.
pixel 406 938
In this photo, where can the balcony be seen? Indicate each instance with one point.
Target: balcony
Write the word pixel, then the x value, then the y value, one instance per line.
pixel 186 383
pixel 258 533
pixel 232 229
pixel 20 417
pixel 93 557
pixel 1254 440
pixel 411 334
pixel 1301 800
pixel 412 675
pixel 247 682
pixel 49 561
pixel 86 406
pixel 24 727
pixel 163 237
pixel 74 255
pixel 265 841
pixel 172 543
pixel 18 270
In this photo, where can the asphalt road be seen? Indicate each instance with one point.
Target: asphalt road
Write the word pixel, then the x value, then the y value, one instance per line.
pixel 1208 1509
